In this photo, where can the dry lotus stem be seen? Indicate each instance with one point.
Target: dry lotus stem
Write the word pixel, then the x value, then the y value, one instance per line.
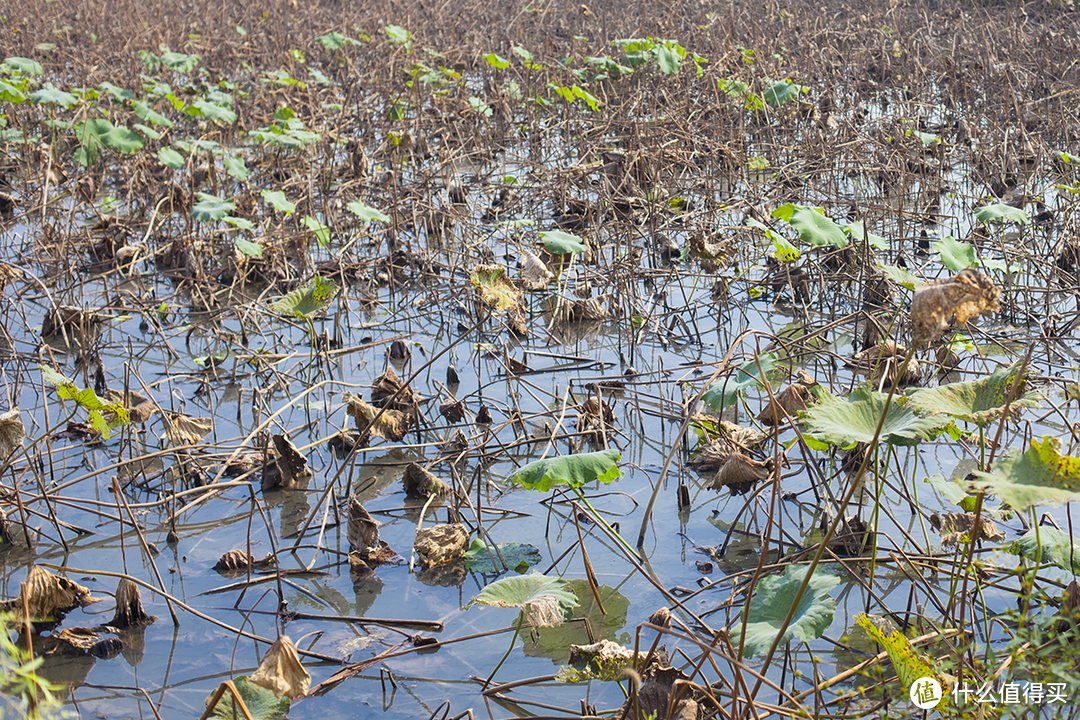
pixel 967 295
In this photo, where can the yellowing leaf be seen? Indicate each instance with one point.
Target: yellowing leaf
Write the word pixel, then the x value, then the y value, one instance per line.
pixel 908 663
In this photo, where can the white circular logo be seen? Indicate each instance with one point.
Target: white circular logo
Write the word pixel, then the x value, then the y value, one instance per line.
pixel 926 693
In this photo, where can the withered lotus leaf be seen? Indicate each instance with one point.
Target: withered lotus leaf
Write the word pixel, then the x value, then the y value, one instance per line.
pixel 281 672
pixel 967 295
pixel 440 544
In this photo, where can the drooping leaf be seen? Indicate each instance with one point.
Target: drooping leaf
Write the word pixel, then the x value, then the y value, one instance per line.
pixel 123 140
pixel 211 208
pixel 543 599
pixel 145 112
pixel 51 95
pixel 23 65
pixel 955 255
pixel 858 233
pixel 1057 547
pixel 782 92
pixel 900 276
pixel 978 401
pixel 724 392
pixel 179 62
pixel 10 93
pixel 572 470
pixel 281 672
pixel 366 213
pixel 813 227
pixel 668 60
pixel 213 111
pixel 235 166
pixel 954 492
pixel 1040 476
pixel 496 61
pixel 515 556
pixel 170 158
pixel 320 231
pixel 260 702
pixel 854 419
pixel 770 605
pixel 311 297
pixel 249 248
pixel 277 199
pixel 558 242
pixel 908 663
pixel 1001 211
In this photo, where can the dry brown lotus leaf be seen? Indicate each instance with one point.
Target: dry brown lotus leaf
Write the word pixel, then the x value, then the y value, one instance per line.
pixel 732 438
pixel 883 363
pixel 77 323
pixel 661 618
pixel 954 526
pixel 6 531
pixel 185 430
pixel 140 409
pixel 440 544
pixel 792 400
pixel 292 466
pixel 392 424
pixel 571 309
pixel 534 274
pixel 385 393
pixel 238 560
pixel 12 433
pixel 420 482
pixel 7 274
pixel 739 473
pixel 281 672
pixel 363 530
pixel 46 595
pixel 654 695
pixel 965 295
pixel 853 536
pixel 872 356
pixel 453 411
pixel 129 608
pixel 80 639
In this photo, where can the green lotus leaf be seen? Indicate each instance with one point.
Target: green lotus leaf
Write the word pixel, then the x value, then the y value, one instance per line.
pixel 558 242
pixel 770 605
pixel 1001 211
pixel 544 599
pixel 260 702
pixel 812 225
pixel 1040 476
pixel 211 208
pixel 308 299
pixel 1049 545
pixel 572 470
pixel 955 255
pixel 515 556
pixel 725 391
pixel 978 401
pixel 854 419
